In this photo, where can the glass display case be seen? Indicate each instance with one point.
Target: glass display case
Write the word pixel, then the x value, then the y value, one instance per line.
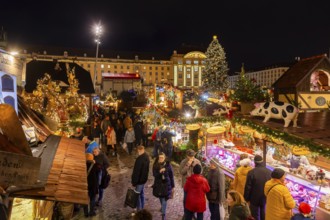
pixel 302 190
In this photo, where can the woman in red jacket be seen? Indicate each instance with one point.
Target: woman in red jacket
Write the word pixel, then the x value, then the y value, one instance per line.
pixel 196 187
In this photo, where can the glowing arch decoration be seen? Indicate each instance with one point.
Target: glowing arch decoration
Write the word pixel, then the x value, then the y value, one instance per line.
pixel 216 130
pixel 195 54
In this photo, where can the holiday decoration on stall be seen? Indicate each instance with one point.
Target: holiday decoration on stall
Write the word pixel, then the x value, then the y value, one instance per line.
pixel 48 100
pixel 215 72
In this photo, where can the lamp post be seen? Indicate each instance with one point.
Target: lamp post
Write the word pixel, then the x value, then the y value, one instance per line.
pixel 98 32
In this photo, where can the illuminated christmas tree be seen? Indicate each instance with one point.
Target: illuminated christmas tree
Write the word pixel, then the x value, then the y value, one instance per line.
pixel 216 69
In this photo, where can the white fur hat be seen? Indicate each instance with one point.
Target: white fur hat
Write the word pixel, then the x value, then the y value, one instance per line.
pixel 245 162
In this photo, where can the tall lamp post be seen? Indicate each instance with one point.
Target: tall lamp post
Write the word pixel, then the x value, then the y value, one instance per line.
pixel 98 32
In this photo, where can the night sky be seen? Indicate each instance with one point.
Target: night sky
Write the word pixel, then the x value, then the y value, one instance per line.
pixel 258 33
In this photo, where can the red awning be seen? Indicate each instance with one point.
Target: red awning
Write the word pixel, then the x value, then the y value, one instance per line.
pixel 121 76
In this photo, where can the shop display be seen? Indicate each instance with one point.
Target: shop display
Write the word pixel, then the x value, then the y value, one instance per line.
pixel 304 183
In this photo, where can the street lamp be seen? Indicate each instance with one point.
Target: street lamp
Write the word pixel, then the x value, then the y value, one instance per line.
pixel 98 32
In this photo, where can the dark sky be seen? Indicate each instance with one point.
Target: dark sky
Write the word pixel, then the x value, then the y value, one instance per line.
pixel 258 33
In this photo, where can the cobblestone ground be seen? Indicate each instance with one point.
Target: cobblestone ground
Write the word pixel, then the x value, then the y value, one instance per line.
pixel 114 196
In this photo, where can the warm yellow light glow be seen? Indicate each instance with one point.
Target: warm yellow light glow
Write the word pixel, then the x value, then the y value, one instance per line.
pixel 14 53
pixel 215 37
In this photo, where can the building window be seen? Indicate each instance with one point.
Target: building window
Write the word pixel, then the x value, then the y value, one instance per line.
pixel 188 76
pixel 196 68
pixel 128 67
pixel 150 73
pixel 195 61
pixel 180 76
pixel 162 68
pixel 188 69
pixel 102 66
pixel 121 67
pixel 179 61
pixel 156 68
pixel 180 68
pixel 88 65
pixel 188 61
pixel 9 100
pixel 150 67
pixel 115 66
pixel 108 66
pixel 168 68
pixel 7 83
pixel 156 73
pixel 115 71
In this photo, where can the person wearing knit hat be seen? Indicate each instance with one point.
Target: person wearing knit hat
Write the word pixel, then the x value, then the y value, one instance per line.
pixel 186 170
pixel 196 188
pixel 279 199
pixel 256 180
pixel 305 212
pixel 278 173
pixel 239 181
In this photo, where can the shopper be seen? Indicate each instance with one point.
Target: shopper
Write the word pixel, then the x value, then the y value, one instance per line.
pixel 186 170
pixel 140 174
pixel 216 196
pixel 279 202
pixel 163 173
pixel 92 185
pixel 168 142
pixel 96 132
pixel 240 175
pixel 129 139
pixel 256 180
pixel 90 145
pixel 142 214
pixel 102 163
pixel 196 188
pixel 239 208
pixel 111 141
pixel 104 126
pixel 138 131
pixel 304 212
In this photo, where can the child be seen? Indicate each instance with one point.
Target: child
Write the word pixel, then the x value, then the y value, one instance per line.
pixel 305 212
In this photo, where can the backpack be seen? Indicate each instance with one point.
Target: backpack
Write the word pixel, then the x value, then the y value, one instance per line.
pixel 105 181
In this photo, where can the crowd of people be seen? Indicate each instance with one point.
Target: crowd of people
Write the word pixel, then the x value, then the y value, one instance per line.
pixel 256 192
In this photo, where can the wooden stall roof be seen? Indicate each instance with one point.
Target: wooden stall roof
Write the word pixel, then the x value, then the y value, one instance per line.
pixel 67 180
pixel 297 72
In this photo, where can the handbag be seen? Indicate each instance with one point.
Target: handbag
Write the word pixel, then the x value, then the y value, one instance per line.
pixel 106 177
pixel 160 188
pixel 131 198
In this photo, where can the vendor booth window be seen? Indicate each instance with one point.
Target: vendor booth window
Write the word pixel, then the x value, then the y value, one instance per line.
pixel 7 83
pixel 10 100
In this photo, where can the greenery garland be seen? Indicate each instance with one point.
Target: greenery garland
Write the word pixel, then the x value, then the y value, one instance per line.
pixel 286 137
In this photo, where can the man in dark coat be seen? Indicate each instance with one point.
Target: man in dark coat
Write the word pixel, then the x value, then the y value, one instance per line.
pixel 167 142
pixel 216 196
pixel 138 131
pixel 140 174
pixel 255 182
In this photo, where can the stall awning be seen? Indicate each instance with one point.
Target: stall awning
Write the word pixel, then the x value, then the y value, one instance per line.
pixel 67 179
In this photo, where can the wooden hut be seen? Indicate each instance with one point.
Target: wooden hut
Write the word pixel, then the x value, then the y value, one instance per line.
pixel 306 84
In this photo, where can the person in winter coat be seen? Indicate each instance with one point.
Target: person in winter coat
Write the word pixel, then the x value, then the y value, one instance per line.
pixel 196 188
pixel 162 171
pixel 129 139
pixel 186 170
pixel 239 208
pixel 240 175
pixel 138 132
pixel 104 126
pixel 216 196
pixel 140 174
pixel 127 122
pixel 111 141
pixel 304 212
pixel 93 186
pixel 167 142
pixel 96 132
pixel 279 199
pixel 102 163
pixel 256 180
pixel 156 138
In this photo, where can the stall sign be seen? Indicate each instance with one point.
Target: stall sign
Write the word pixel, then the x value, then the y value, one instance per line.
pixel 18 170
